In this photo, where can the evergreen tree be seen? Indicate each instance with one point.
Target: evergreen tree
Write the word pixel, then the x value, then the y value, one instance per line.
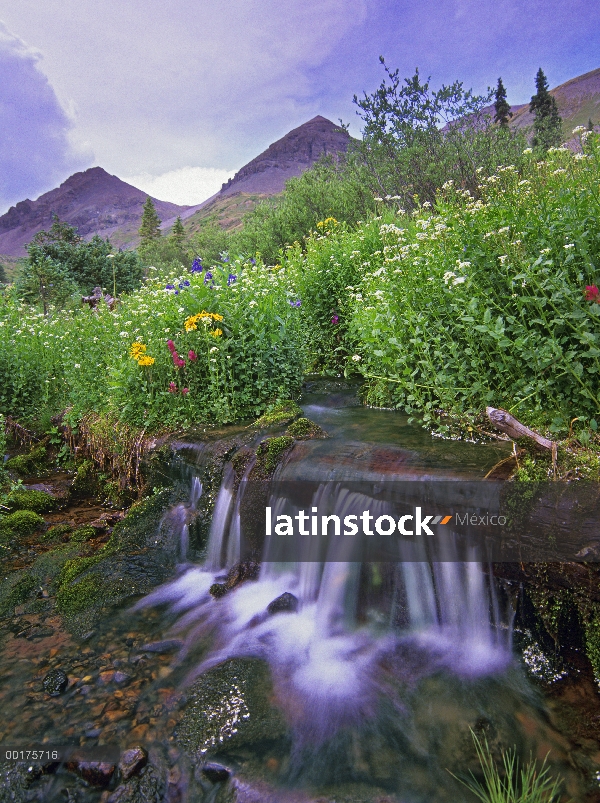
pixel 502 107
pixel 178 233
pixel 150 228
pixel 547 124
pixel 590 125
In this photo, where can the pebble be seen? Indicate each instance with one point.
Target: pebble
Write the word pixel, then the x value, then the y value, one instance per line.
pixel 132 761
pixel 169 645
pixel 55 682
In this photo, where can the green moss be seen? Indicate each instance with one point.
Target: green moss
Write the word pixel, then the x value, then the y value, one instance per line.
pixel 73 599
pixel 55 533
pixel 73 568
pixel 142 518
pixel 305 429
pixel 83 533
pixel 86 481
pixel 30 463
pixel 21 523
pixel 269 454
pixel 592 641
pixel 533 468
pixel 15 590
pixel 48 566
pixel 38 501
pixel 280 414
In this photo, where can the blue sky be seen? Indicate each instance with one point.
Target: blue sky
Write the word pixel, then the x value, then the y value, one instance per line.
pixel 176 96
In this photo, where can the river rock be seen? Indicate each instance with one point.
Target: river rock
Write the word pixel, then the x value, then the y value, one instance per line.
pixel 132 761
pixel 216 773
pixel 55 682
pixel 96 773
pixel 286 603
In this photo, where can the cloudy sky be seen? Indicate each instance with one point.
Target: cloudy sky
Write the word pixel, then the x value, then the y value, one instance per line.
pixel 175 96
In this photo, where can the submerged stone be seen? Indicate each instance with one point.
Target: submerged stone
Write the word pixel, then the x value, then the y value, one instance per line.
pixel 132 761
pixel 55 682
pixel 215 773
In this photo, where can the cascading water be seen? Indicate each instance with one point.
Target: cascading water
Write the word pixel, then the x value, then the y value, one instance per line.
pixel 345 621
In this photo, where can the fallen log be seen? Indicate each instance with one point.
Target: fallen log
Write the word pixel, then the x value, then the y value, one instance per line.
pixel 508 424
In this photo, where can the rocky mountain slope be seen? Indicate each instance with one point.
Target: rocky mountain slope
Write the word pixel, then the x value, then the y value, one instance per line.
pixel 578 101
pixel 93 201
pixel 97 203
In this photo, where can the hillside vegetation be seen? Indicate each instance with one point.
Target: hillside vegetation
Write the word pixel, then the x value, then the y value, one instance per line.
pixel 449 271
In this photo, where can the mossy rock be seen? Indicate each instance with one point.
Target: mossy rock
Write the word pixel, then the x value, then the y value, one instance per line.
pixel 88 592
pixel 15 590
pixel 269 455
pixel 48 566
pixel 86 480
pixel 279 415
pixel 76 566
pixel 230 707
pixel 83 534
pixel 141 521
pixel 304 429
pixel 56 533
pixel 29 499
pixel 31 463
pixel 20 523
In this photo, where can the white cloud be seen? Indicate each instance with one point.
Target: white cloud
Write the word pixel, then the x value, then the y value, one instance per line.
pixel 186 186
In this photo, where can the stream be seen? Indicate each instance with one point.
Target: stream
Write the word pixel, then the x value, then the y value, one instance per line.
pixel 313 670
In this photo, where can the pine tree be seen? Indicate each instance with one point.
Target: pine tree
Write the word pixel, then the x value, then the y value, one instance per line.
pixel 150 228
pixel 590 125
pixel 178 233
pixel 503 112
pixel 547 124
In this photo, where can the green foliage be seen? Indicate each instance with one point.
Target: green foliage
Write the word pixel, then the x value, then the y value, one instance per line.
pixel 60 265
pixel 501 106
pixel 270 453
pixel 243 360
pixel 211 241
pixel 512 783
pixel 547 125
pixel 84 533
pixel 178 232
pixel 150 226
pixel 333 187
pixel 21 523
pixel 76 598
pixel 38 501
pixel 405 154
pixel 481 302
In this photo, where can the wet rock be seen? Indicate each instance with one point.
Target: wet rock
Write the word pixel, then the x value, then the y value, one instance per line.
pixel 238 694
pixel 169 645
pixel 96 773
pixel 215 773
pixel 55 682
pixel 286 603
pixel 122 678
pixel 132 761
pixel 218 589
pixel 40 631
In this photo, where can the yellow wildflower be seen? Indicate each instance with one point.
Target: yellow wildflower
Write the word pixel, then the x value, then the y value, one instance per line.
pixel 216 332
pixel 136 350
pixel 191 323
pixel 145 359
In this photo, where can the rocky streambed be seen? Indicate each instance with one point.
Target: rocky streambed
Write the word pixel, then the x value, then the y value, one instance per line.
pixel 139 711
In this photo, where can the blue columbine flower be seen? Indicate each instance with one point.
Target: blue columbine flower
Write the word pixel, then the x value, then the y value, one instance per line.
pixel 197 265
pixel 169 287
pixel 231 278
pixel 186 284
pixel 207 276
pixel 297 303
pixel 253 261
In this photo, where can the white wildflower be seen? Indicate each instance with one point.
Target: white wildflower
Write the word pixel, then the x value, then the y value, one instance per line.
pixel 569 245
pixel 356 358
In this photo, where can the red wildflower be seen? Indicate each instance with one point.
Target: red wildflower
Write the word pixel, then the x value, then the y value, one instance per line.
pixel 185 391
pixel 192 356
pixel 592 293
pixel 171 346
pixel 172 387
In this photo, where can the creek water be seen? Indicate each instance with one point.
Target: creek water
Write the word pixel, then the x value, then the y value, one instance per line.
pixel 363 683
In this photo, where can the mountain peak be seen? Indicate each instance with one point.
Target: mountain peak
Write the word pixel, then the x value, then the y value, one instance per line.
pixel 288 157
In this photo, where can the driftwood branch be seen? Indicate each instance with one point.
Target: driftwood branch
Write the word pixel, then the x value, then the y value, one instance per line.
pixel 507 423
